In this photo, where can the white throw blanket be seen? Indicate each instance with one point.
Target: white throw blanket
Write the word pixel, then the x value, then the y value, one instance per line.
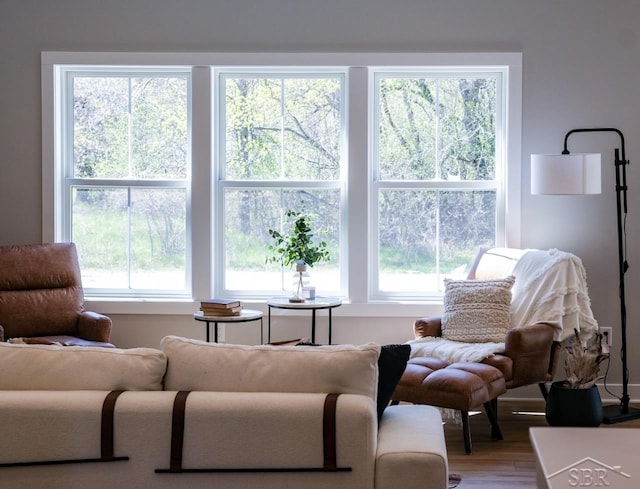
pixel 550 287
pixel 453 351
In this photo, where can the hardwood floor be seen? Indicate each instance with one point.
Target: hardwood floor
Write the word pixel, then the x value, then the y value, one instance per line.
pixel 506 464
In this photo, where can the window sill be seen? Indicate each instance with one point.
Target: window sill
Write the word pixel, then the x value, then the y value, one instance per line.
pixel 177 307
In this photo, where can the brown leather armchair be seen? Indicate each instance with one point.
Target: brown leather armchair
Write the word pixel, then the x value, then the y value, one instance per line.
pixel 41 297
pixel 531 354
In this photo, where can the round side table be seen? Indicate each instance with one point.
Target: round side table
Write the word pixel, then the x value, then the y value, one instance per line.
pixel 245 315
pixel 312 305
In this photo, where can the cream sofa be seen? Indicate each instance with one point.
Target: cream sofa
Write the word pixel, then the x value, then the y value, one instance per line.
pixel 254 417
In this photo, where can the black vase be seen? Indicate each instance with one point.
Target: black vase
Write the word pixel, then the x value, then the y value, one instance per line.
pixel 573 407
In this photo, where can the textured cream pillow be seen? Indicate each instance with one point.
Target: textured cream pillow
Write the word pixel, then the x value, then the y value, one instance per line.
pixel 477 311
pixel 55 367
pixel 343 369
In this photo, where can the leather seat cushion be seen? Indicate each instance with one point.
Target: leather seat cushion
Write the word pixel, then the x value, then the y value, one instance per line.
pixel 61 340
pixel 463 386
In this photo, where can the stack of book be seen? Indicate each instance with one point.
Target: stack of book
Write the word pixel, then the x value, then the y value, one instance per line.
pixel 220 307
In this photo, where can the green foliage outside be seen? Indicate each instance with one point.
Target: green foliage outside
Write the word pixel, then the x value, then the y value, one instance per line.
pixel 103 234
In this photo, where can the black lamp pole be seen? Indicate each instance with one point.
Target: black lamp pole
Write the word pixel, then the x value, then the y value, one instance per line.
pixel 620 412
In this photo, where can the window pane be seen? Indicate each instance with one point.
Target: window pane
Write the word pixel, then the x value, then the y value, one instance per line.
pixel 312 129
pixel 100 127
pixel 252 128
pixel 407 129
pixel 130 127
pixel 159 127
pixel 131 238
pixel 249 214
pixel 407 240
pixel 425 236
pixel 158 238
pixel 467 222
pixel 450 121
pixel 282 128
pixel 100 230
pixel 467 145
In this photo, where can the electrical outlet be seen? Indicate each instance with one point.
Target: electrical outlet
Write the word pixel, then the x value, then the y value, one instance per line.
pixel 608 335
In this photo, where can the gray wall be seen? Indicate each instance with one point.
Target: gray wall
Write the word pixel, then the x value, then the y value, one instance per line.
pixel 581 69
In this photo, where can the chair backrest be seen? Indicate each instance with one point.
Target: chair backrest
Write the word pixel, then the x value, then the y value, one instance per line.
pixel 493 263
pixel 40 290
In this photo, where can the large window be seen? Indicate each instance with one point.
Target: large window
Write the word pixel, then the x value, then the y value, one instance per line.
pixel 168 170
pixel 125 165
pixel 437 186
pixel 281 144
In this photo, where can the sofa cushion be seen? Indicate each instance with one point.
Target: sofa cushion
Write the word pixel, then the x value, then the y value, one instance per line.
pixel 55 367
pixel 391 364
pixel 477 311
pixel 342 369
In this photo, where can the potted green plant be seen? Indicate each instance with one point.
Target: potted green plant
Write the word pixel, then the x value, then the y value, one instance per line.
pixel 297 246
pixel 576 401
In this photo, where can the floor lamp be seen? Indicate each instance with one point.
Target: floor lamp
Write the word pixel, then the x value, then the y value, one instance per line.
pixel 580 174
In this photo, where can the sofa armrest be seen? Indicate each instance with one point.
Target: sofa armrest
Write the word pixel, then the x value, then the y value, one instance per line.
pixel 411 452
pixel 530 348
pixel 424 327
pixel 93 326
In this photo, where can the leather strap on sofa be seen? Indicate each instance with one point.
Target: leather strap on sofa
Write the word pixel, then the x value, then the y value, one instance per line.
pixel 329 433
pixel 177 430
pixel 328 442
pixel 107 428
pixel 106 439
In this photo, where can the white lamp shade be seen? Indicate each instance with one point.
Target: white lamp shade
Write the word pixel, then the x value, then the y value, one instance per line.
pixel 570 174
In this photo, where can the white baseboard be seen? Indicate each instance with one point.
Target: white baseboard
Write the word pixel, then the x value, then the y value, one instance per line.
pixel 610 394
pixel 614 391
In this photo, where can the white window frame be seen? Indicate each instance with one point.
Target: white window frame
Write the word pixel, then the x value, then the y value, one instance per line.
pixel 65 167
pixel 357 302
pixel 221 183
pixel 377 184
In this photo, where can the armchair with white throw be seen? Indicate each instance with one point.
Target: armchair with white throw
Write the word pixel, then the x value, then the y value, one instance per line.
pixel 549 300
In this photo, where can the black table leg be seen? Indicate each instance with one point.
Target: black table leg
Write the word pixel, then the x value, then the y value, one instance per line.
pixel 207 328
pixel 215 326
pixel 329 325
pixel 269 327
pixel 313 326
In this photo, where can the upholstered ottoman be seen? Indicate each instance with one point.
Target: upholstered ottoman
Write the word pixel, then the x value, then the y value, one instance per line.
pixel 463 386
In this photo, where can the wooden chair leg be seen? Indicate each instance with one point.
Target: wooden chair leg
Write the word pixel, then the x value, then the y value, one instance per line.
pixel 466 431
pixel 491 408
